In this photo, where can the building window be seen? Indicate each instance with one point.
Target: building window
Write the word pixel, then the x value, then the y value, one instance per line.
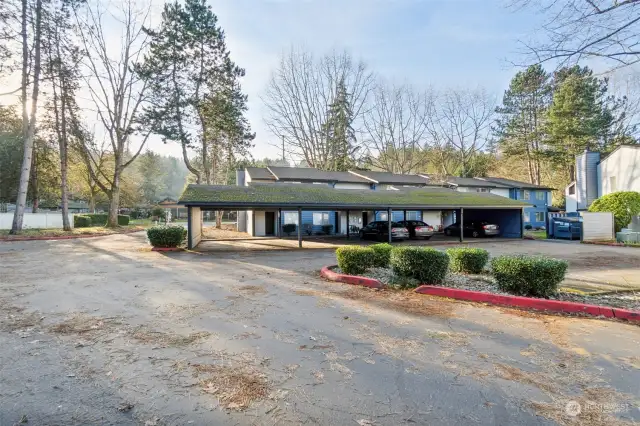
pixel 539 216
pixel 321 218
pixel 527 219
pixel 384 216
pixel 524 195
pixel 540 195
pixel 290 217
pixel 481 190
pixel 613 184
pixel 572 189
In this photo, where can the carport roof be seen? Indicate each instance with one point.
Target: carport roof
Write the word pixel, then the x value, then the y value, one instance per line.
pixel 321 196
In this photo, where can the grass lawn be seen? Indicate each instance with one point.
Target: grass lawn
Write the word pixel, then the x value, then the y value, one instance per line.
pixel 57 232
pixel 538 235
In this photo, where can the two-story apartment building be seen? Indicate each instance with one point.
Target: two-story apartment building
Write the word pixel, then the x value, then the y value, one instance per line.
pixel 265 223
pixel 597 176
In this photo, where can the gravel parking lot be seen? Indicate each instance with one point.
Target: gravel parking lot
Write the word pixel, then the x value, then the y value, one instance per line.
pixel 104 331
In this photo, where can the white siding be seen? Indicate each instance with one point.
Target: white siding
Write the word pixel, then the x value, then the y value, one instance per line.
pixel 35 220
pixel 258 217
pixel 352 186
pixel 597 226
pixel 343 222
pixel 503 192
pixel 571 204
pixel 624 166
pixel 433 218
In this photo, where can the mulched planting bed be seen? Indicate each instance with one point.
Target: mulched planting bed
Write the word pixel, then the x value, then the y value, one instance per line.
pixel 485 283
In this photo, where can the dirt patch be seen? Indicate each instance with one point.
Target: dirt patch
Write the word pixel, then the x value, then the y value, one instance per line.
pixel 252 289
pixel 164 340
pixel 82 324
pixel 224 233
pixel 509 372
pixel 235 387
pixel 16 318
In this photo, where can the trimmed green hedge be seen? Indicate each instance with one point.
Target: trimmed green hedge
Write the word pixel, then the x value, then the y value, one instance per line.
pixel 467 260
pixel 354 260
pixel 623 204
pixel 427 265
pixel 382 255
pixel 166 236
pixel 289 228
pixel 81 221
pixel 528 275
pixel 97 219
pixel 123 220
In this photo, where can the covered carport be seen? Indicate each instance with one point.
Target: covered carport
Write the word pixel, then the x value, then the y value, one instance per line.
pixel 300 197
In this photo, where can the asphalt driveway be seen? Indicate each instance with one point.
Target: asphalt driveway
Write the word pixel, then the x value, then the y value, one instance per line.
pixel 104 331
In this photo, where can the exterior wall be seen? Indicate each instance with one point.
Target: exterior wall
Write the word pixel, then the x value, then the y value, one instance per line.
pixel 503 192
pixel 398 215
pixel 250 217
pixel 509 220
pixel 35 220
pixel 597 226
pixel 307 218
pixel 540 206
pixel 571 203
pixel 259 227
pixel 195 224
pixel 624 166
pixel 587 178
pixel 433 218
pixel 352 186
pixel 448 218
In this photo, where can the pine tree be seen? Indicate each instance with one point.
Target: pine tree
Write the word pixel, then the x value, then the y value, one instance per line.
pixel 520 125
pixel 338 132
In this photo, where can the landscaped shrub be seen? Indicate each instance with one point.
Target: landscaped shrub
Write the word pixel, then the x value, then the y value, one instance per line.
pixel 123 220
pixel 427 265
pixel 166 236
pixel 382 254
pixel 623 204
pixel 289 228
pixel 158 212
pixel 327 229
pixel 528 227
pixel 355 260
pixel 528 275
pixel 81 221
pixel 467 260
pixel 97 219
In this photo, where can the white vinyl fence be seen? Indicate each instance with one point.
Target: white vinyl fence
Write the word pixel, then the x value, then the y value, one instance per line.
pixel 35 220
pixel 597 226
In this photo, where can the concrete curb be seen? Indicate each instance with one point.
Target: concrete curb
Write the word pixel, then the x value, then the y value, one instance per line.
pixel 327 273
pixel 530 303
pixel 64 237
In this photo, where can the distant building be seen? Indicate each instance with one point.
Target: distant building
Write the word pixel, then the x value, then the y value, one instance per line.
pixel 597 176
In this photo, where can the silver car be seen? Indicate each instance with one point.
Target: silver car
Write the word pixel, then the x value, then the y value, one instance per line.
pixel 418 229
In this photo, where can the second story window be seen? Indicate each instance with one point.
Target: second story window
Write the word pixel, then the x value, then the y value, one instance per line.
pixel 525 195
pixel 540 195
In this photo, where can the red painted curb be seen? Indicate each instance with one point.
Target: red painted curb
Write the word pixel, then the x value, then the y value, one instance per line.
pixel 327 273
pixel 626 314
pixel 527 302
pixel 167 249
pixel 65 237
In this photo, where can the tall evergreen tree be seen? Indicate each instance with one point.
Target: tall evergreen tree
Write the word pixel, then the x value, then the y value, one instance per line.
pixel 582 116
pixel 520 125
pixel 339 134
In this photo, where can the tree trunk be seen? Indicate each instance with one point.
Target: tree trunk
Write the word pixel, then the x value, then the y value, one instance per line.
pixel 63 188
pixel 28 125
pixel 33 183
pixel 114 201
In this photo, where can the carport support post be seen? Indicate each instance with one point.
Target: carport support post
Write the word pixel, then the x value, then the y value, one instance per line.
pixel 299 227
pixel 279 230
pixel 389 224
pixel 348 236
pixel 522 223
pixel 461 224
pixel 404 215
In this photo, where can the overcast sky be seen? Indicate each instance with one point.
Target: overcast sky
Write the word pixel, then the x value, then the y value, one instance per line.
pixel 439 43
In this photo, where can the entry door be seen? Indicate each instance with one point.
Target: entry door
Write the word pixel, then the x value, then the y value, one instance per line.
pixel 365 219
pixel 269 223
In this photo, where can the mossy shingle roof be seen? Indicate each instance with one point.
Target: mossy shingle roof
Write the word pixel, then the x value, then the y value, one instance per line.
pixel 316 196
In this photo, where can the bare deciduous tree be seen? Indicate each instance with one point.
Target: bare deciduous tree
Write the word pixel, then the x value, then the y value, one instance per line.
pixel 31 70
pixel 396 127
pixel 117 93
pixel 578 29
pixel 299 96
pixel 459 129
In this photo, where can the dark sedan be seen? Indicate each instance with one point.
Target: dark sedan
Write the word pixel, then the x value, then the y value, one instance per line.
pixel 418 229
pixel 378 230
pixel 474 229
